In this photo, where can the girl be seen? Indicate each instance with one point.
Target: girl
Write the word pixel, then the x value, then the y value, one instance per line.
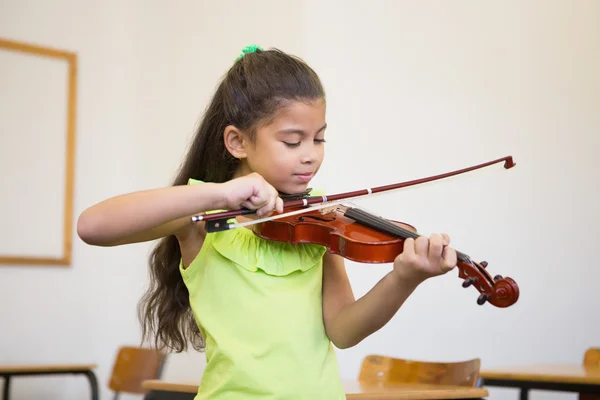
pixel 267 313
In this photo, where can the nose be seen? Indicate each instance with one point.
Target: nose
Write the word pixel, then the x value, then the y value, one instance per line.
pixel 310 155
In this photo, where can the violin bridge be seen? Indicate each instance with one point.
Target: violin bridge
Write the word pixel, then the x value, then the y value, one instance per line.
pixel 217 225
pixel 328 210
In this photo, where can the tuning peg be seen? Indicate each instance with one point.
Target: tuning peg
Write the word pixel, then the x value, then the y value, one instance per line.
pixel 497 277
pixel 482 299
pixel 469 281
pixel 484 264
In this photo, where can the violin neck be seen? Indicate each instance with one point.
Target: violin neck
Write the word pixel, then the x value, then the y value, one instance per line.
pixel 385 226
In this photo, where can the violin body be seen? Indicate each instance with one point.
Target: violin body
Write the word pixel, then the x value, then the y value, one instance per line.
pixel 340 234
pixel 365 238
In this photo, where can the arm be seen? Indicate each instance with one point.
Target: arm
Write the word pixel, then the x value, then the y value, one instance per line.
pixel 151 214
pixel 348 322
pixel 146 215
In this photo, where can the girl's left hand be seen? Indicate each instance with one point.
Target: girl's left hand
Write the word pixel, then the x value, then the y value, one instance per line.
pixel 423 258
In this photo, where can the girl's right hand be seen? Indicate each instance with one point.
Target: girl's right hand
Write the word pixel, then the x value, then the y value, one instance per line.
pixel 253 192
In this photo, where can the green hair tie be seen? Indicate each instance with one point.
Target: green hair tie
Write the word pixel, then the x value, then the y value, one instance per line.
pixel 248 49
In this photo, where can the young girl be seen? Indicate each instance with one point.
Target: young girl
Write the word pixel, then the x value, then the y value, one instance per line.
pixel 266 312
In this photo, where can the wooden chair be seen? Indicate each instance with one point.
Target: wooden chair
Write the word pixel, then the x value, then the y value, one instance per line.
pixel 591 359
pixel 382 369
pixel 132 366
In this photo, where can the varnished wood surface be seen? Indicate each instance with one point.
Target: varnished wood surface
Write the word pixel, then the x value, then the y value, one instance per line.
pixel 44 368
pixel 170 386
pixel 134 365
pixel 591 358
pixel 379 368
pixel 563 373
pixel 361 390
pixel 409 391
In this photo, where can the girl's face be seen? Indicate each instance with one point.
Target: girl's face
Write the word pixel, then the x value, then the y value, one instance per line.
pixel 289 150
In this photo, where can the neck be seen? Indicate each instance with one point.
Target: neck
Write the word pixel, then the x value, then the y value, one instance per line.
pixel 242 170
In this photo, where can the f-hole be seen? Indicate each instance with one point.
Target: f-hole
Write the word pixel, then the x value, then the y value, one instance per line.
pixel 302 218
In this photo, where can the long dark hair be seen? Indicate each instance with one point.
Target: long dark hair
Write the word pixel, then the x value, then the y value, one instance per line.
pixel 254 88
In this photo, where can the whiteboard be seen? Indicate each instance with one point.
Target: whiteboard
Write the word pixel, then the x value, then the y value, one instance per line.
pixel 37 144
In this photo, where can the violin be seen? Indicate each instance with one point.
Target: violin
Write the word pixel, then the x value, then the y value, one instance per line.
pixel 364 237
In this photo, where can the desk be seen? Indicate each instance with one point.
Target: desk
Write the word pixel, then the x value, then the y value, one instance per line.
pixel 355 390
pixel 557 377
pixel 9 371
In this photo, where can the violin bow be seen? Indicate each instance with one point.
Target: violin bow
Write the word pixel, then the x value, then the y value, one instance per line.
pixel 330 200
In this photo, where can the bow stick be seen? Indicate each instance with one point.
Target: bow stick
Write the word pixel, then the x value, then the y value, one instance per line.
pixel 508 163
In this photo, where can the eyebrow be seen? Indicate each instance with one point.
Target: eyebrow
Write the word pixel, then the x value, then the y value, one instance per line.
pixel 300 131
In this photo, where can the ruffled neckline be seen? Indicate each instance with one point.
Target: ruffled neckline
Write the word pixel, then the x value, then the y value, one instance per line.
pixel 253 253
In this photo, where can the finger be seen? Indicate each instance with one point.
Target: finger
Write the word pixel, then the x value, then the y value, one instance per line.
pixel 268 208
pixel 450 260
pixel 446 239
pixel 422 246
pixel 254 203
pixel 247 204
pixel 409 248
pixel 279 204
pixel 435 247
pixel 446 242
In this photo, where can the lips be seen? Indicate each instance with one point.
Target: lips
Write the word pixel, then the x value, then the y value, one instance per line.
pixel 304 177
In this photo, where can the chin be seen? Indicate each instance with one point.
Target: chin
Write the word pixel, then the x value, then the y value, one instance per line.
pixel 292 188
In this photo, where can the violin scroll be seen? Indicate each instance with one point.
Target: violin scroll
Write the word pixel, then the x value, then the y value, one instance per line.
pixel 499 291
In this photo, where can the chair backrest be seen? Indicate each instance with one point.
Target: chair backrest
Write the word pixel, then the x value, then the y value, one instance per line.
pixel 377 368
pixel 591 359
pixel 132 366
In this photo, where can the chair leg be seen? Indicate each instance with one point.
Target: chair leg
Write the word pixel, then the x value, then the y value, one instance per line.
pixel 116 397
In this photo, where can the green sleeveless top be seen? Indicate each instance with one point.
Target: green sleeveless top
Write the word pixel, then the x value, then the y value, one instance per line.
pixel 258 304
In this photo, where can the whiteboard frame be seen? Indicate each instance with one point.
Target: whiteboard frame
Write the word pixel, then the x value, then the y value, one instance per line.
pixel 71 59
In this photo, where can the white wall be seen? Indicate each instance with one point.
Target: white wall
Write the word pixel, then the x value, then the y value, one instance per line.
pixel 471 81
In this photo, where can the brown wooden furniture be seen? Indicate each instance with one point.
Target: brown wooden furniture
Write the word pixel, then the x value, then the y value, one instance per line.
pixel 383 369
pixel 591 360
pixel 9 371
pixel 582 379
pixel 132 366
pixel 355 390
pixel 380 377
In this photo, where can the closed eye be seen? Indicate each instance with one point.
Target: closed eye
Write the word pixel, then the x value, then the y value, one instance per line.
pixel 298 143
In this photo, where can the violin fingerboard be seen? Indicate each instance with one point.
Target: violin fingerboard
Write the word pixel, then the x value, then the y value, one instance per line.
pixel 385 226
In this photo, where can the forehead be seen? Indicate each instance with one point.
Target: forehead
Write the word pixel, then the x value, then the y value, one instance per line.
pixel 305 115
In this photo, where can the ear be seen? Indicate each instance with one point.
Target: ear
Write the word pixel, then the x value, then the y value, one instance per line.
pixel 235 141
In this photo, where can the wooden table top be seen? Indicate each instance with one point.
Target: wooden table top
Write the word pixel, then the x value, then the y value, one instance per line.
pixel 563 373
pixel 360 390
pixel 44 368
pixel 355 389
